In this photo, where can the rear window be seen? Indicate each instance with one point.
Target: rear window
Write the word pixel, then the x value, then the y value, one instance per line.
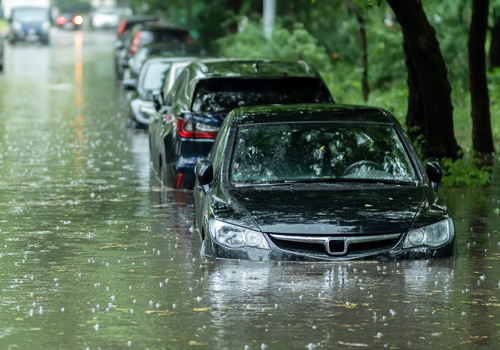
pixel 225 94
pixel 164 36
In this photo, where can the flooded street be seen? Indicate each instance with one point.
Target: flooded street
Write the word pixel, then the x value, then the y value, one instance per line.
pixel 94 255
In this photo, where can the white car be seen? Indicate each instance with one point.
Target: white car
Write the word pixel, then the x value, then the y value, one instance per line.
pixel 105 17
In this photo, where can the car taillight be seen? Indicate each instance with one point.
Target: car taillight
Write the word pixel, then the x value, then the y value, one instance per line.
pixel 121 27
pixel 77 20
pixel 135 43
pixel 204 131
pixel 189 130
pixel 61 20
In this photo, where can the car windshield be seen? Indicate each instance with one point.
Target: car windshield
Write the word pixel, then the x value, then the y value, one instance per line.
pixel 225 94
pixel 28 15
pixel 319 151
pixel 154 75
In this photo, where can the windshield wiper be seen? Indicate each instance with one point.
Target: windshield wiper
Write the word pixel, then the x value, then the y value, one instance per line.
pixel 326 180
pixel 350 179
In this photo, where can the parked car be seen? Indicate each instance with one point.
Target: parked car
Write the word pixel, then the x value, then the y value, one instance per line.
pixel 1 53
pixel 105 17
pixel 318 182
pixel 30 24
pixel 123 34
pixel 142 35
pixel 69 21
pixel 134 65
pixel 187 122
pixel 151 79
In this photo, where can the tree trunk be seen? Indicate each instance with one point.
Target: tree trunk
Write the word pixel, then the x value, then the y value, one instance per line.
pixel 495 41
pixel 482 137
pixel 431 74
pixel 233 7
pixel 415 116
pixel 365 88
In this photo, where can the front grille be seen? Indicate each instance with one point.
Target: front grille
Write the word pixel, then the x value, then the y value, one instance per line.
pixel 330 246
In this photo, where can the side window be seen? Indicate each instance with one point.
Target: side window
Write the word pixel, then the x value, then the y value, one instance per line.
pixel 178 85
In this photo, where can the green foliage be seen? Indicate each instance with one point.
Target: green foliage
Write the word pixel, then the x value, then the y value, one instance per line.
pixel 465 174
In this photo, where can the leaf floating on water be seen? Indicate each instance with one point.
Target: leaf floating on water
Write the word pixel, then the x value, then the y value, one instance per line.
pixel 368 205
pixel 202 309
pixel 158 312
pixel 195 343
pixel 358 345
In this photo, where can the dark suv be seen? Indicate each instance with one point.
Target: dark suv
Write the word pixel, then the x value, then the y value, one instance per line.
pixel 187 122
pixel 142 35
pixel 30 23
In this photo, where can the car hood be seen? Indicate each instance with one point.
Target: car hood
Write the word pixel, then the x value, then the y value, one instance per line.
pixel 332 210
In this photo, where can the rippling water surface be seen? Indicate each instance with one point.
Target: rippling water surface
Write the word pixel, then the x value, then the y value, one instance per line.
pixel 94 255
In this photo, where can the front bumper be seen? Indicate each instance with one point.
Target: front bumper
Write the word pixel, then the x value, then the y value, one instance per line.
pixel 216 250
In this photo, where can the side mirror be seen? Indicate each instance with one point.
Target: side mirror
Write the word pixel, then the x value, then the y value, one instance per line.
pixel 204 174
pixel 119 45
pixel 158 100
pixel 434 172
pixel 129 85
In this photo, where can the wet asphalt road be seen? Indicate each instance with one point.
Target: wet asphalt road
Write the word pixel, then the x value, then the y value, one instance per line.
pixel 94 255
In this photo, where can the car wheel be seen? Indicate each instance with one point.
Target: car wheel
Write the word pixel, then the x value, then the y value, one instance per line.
pixel 45 41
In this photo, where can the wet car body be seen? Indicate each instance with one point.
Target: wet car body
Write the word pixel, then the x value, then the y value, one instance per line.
pixel 145 34
pixel 30 24
pixel 323 218
pixel 184 129
pixel 123 35
pixel 71 21
pixel 160 49
pixel 151 79
pixel 105 17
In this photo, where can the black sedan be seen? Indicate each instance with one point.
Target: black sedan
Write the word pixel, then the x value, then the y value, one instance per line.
pixel 318 182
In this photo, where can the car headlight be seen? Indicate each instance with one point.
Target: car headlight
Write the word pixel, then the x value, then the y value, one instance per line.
pixel 46 26
pixel 236 237
pixel 434 235
pixel 17 26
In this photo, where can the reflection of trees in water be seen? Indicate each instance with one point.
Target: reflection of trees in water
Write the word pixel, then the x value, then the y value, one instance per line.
pixel 294 296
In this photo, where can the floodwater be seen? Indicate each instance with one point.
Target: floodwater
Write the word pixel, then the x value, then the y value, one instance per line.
pixel 92 256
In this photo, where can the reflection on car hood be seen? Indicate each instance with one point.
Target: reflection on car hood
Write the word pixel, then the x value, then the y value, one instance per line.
pixel 359 210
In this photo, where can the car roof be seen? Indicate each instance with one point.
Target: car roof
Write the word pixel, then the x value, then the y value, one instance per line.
pixel 161 27
pixel 251 68
pixel 312 113
pixel 170 59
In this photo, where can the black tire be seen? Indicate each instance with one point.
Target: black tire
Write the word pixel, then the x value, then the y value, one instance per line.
pixel 45 41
